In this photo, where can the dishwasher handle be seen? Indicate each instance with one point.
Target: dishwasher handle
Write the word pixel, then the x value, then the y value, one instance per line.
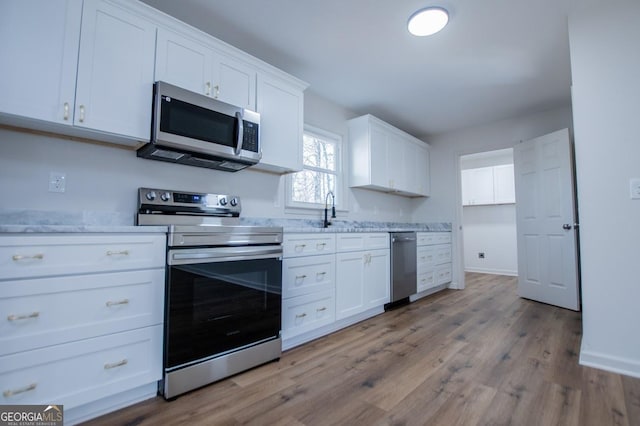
pixel 397 239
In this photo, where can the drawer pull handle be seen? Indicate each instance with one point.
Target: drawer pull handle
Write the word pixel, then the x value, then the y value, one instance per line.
pixel 116 364
pixel 321 273
pixel 118 253
pixel 302 315
pixel 23 317
pixel 11 392
pixel 300 277
pixel 321 309
pixel 19 257
pixel 300 246
pixel 320 246
pixel 117 302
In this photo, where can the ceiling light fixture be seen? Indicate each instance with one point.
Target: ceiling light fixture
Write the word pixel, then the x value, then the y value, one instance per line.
pixel 428 21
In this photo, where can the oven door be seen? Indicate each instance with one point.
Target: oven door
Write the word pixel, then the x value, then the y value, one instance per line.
pixel 220 300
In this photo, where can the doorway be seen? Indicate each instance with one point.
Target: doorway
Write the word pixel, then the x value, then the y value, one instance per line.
pixel 488 213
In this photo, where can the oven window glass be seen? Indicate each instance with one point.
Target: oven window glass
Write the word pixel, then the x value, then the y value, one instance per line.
pixel 217 307
pixel 191 121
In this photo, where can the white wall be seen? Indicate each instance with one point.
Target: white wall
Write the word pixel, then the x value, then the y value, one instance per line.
pixel 446 149
pixel 605 64
pixel 109 176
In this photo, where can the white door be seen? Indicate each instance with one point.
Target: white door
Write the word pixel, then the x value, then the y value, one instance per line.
pixel 545 217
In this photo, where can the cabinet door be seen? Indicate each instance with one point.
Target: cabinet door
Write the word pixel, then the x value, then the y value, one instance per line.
pixel 281 125
pixel 504 184
pixel 422 167
pixel 396 165
pixel 349 284
pixel 39 50
pixel 235 82
pixel 183 62
pixel 477 186
pixel 379 167
pixel 377 276
pixel 115 71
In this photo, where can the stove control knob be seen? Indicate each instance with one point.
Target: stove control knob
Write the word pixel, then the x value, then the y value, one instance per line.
pixel 151 195
pixel 233 202
pixel 222 201
pixel 165 196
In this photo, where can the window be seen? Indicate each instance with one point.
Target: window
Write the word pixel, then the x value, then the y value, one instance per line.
pixel 321 162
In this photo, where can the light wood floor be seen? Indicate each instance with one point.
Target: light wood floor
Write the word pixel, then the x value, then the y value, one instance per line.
pixel 481 356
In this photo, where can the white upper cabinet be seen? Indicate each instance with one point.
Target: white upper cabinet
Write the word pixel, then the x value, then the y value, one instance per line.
pixel 281 107
pixel 387 159
pixel 198 67
pixel 488 185
pixel 82 65
pixel 39 50
pixel 115 71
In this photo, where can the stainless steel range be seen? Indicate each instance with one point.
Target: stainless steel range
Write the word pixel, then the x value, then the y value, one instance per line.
pixel 223 288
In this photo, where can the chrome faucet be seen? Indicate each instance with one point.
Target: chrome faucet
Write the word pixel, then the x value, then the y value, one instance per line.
pixel 326 209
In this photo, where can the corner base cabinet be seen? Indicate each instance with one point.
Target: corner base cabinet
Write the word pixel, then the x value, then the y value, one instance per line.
pixel 82 317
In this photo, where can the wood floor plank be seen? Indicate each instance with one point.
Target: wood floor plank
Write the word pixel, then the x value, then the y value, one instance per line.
pixel 480 356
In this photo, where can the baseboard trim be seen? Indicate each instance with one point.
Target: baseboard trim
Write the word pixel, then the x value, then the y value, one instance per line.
pixel 508 272
pixel 628 367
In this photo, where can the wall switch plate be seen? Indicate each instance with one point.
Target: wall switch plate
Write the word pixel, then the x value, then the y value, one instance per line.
pixel 57 182
pixel 634 188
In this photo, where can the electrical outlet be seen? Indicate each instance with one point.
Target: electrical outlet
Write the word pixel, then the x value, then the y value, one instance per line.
pixel 57 182
pixel 481 255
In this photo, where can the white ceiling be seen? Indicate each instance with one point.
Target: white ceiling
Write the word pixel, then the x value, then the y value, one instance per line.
pixel 496 58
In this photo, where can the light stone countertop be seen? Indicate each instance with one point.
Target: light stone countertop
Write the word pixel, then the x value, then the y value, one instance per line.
pixel 41 221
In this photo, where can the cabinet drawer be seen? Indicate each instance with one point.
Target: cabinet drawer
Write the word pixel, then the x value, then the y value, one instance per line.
pixel 77 373
pixel 426 280
pixel 47 311
pixel 304 275
pixel 295 245
pixel 442 254
pixel 30 256
pixel 305 313
pixel 443 274
pixel 431 238
pixel 361 241
pixel 425 258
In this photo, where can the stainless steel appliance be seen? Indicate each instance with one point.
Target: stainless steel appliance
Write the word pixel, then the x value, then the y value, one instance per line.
pixel 404 278
pixel 196 130
pixel 223 288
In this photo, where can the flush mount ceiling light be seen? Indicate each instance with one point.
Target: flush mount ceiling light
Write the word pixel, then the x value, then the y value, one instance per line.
pixel 428 21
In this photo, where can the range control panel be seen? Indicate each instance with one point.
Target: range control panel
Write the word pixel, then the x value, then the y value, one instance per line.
pixel 152 200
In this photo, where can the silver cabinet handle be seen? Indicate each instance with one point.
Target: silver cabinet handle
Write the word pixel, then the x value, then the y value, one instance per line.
pixel 66 111
pixel 321 246
pixel 81 118
pixel 300 247
pixel 321 273
pixel 19 257
pixel 11 392
pixel 117 303
pixel 321 309
pixel 14 317
pixel 302 315
pixel 207 88
pixel 120 363
pixel 118 253
pixel 217 95
pixel 300 277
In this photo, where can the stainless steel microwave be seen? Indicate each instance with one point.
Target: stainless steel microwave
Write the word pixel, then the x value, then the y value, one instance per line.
pixel 196 130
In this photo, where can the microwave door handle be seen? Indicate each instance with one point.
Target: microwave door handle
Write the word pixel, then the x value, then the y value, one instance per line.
pixel 240 132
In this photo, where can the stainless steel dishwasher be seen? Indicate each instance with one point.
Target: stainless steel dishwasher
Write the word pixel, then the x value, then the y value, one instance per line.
pixel 403 267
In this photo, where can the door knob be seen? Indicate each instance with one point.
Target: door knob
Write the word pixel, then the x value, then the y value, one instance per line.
pixel 566 226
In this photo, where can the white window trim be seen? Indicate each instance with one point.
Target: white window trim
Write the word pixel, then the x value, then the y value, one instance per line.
pixel 296 207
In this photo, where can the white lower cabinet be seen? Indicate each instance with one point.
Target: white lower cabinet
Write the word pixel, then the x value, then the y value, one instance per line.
pixel 433 259
pixel 82 319
pixel 308 285
pixel 362 275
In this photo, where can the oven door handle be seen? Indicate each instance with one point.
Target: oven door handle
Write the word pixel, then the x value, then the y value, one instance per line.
pixel 222 254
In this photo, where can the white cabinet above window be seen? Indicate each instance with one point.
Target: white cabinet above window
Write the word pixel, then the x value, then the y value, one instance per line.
pixel 488 185
pixel 387 159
